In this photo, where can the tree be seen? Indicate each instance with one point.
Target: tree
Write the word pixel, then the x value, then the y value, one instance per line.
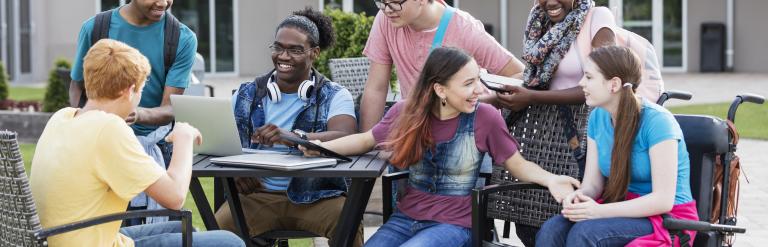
pixel 3 83
pixel 57 93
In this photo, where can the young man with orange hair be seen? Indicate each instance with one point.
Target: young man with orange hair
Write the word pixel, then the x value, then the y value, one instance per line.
pixel 88 162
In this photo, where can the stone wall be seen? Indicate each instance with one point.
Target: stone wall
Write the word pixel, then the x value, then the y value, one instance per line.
pixel 29 125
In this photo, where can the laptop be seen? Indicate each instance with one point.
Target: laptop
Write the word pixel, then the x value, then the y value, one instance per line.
pixel 274 161
pixel 214 118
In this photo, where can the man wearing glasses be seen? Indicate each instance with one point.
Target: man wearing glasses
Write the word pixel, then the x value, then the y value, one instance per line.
pixel 402 35
pixel 292 98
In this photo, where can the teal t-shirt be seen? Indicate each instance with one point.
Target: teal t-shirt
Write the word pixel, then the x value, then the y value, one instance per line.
pixel 657 124
pixel 149 41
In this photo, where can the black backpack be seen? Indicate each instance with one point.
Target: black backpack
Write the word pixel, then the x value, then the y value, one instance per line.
pixel 170 43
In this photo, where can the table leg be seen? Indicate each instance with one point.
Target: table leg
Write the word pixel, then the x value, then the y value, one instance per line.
pixel 352 212
pixel 198 194
pixel 218 193
pixel 237 211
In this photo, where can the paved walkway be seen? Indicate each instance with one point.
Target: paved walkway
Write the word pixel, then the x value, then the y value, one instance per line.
pixel 706 88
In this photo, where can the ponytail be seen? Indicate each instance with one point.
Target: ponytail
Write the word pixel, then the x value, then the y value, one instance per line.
pixel 622 63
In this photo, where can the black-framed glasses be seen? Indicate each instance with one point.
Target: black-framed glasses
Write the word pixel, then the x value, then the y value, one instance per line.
pixel 393 5
pixel 294 52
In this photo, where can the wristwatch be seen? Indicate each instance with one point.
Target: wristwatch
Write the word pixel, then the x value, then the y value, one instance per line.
pixel 300 133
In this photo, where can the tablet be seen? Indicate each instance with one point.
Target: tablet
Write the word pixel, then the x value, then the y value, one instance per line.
pixel 497 82
pixel 312 146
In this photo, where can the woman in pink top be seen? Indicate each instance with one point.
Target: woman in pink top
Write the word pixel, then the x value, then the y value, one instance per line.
pixel 440 134
pixel 553 66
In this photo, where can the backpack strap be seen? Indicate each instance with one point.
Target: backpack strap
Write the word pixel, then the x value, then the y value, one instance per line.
pixel 100 31
pixel 170 40
pixel 440 34
pixel 101 26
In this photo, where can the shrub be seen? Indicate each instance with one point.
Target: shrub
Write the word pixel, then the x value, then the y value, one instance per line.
pixel 352 31
pixel 3 83
pixel 351 34
pixel 57 93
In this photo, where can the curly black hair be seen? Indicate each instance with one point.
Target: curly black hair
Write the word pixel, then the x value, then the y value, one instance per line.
pixel 322 23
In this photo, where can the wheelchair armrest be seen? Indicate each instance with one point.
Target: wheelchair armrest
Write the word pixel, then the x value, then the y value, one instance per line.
pixel 185 214
pixel 700 226
pixel 674 94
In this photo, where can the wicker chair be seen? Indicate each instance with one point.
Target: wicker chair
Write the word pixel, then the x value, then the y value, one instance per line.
pixel 540 132
pixel 19 222
pixel 350 73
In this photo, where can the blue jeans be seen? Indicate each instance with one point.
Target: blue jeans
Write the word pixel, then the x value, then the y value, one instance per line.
pixel 559 231
pixel 401 230
pixel 169 234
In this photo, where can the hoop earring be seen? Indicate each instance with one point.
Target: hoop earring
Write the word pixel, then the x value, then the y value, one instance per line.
pixel 442 101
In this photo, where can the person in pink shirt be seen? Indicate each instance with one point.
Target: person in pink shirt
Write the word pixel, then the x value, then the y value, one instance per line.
pixel 554 66
pixel 440 134
pixel 402 36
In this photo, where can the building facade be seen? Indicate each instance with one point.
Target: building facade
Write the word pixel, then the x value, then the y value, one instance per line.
pixel 233 35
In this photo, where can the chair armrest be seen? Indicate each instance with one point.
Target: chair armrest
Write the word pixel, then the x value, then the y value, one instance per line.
pixel 507 186
pixel 395 175
pixel 185 214
pixel 700 226
pixel 481 226
pixel 386 192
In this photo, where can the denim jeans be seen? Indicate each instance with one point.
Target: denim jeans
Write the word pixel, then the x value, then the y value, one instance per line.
pixel 401 230
pixel 559 231
pixel 169 234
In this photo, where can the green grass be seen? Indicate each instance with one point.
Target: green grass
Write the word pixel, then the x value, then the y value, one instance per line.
pixel 28 150
pixel 26 93
pixel 751 119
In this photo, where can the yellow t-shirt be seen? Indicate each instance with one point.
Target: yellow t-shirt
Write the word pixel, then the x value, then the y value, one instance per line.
pixel 88 166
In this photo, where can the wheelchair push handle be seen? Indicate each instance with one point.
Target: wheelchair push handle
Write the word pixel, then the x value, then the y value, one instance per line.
pixel 747 97
pixel 700 226
pixel 673 94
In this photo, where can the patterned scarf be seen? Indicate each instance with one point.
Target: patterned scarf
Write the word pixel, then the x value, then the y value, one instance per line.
pixel 544 50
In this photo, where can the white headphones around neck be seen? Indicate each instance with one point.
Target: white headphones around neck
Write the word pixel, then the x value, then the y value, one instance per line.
pixel 305 88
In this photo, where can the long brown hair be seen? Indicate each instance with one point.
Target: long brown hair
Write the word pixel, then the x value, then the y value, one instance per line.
pixel 411 133
pixel 621 62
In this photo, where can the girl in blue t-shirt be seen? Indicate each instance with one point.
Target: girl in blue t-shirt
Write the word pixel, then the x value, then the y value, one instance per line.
pixel 637 164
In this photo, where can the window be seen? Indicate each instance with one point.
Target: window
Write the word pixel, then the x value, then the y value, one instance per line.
pixel 215 39
pixel 16 37
pixel 673 33
pixel 662 22
pixel 110 4
pixel 638 17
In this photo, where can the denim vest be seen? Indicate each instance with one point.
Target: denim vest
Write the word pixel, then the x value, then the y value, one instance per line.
pixel 249 115
pixel 453 167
